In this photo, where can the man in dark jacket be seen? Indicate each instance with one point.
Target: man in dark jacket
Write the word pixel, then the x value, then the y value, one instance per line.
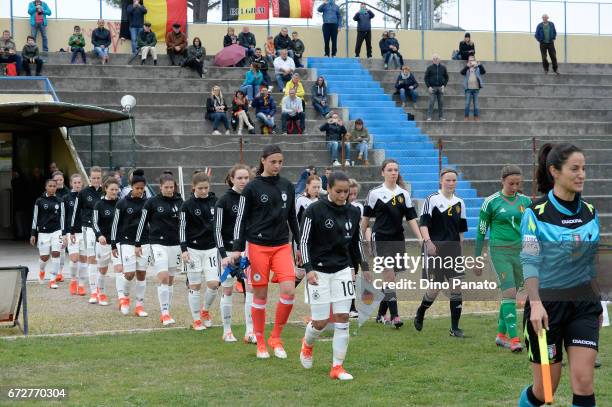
pixel 406 85
pixel 364 30
pixel 282 41
pixel 265 109
pixel 384 49
pixel 436 78
pixel 30 55
pixel 176 43
pixel 263 66
pixel 546 35
pixel 136 12
pixel 146 44
pixel 335 133
pixel 466 47
pixel 101 40
pixel 246 39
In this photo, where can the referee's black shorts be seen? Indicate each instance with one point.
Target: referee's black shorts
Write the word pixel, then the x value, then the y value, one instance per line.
pixel 570 323
pixel 441 267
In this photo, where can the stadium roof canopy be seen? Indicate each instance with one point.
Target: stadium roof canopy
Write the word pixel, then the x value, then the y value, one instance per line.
pixel 49 115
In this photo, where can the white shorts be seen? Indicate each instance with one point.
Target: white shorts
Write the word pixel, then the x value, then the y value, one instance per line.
pixel 89 241
pixel 166 258
pixel 332 288
pixel 50 242
pixel 131 263
pixel 204 263
pixel 104 255
pixel 78 246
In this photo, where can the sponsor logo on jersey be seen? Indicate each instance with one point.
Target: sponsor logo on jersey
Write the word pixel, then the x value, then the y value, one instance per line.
pixel 45 206
pixel 458 208
pixel 130 210
pixel 315 294
pixel 531 245
pixel 284 196
pixel 329 223
pixel 400 199
pixel 107 212
pixel 521 208
pixel 264 198
pixel 570 221
pixel 197 212
pixel 256 277
pixel 212 211
pixel 89 198
pixel 502 210
pixel 160 209
pixel 235 208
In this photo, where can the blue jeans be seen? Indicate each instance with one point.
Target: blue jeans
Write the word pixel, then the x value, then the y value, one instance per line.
pixel 101 52
pixel 413 95
pixel 266 78
pixel 261 116
pixel 251 91
pixel 249 52
pixel 43 32
pixel 323 110
pixel 471 94
pixel 76 51
pixel 399 60
pixel 335 152
pixel 218 117
pixel 281 80
pixel 363 149
pixel 134 31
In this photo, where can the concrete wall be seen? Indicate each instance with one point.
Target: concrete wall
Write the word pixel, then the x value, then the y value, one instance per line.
pixel 520 47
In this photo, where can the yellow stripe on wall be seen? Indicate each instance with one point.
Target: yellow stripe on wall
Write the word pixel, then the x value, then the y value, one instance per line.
pixel 295 9
pixel 247 5
pixel 157 15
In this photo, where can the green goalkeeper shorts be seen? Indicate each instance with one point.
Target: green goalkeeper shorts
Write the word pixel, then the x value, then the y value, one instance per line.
pixel 507 265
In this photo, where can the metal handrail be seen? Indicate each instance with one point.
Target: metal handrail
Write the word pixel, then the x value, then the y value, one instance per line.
pixel 48 86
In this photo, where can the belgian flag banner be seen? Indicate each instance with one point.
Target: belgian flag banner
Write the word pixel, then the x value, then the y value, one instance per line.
pixel 233 10
pixel 163 13
pixel 292 8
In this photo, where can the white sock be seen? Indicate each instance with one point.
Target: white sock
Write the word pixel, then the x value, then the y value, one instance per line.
pixel 226 312
pixel 62 260
pixel 194 303
pixel 127 285
pixel 73 269
pixel 141 287
pixel 209 297
pixel 340 342
pixel 170 292
pixel 101 282
pixel 248 318
pixel 163 294
pixel 119 285
pixel 42 265
pixel 92 272
pixel 312 334
pixel 55 266
pixel 82 274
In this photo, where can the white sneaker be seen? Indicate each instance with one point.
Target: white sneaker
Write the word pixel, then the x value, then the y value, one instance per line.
pixel 353 314
pixel 336 163
pixel 239 132
pixel 306 356
pixel 216 133
pixel 250 338
pixel 347 163
pixel 227 132
pixel 263 354
pixel 53 285
pixel 93 298
pixel 339 373
pixel 429 119
pixel 167 320
pixel 270 88
pixel 229 337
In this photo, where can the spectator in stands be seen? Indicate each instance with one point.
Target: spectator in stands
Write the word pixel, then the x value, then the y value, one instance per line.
pixel 30 55
pixel 298 49
pixel 472 83
pixel 319 97
pixel 146 43
pixel 335 136
pixel 269 50
pixel 406 84
pixel 176 44
pixel 240 118
pixel 38 11
pixel 332 23
pixel 230 38
pixel 136 12
pixel 263 67
pixel 246 39
pixel 325 178
pixel 382 44
pixel 292 110
pixel 466 47
pixel 283 69
pixel 216 109
pixel 8 51
pixel 282 41
pixel 195 56
pixel 101 41
pixel 301 183
pixel 364 30
pixel 393 52
pixel 546 35
pixel 265 109
pixel 77 45
pixel 361 137
pixel 436 78
pixel 296 84
pixel 252 82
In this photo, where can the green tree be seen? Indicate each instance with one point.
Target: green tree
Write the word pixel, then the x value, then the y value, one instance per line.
pixel 200 8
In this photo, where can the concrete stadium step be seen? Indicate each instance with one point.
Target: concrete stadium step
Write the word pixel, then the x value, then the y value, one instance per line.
pixel 592 186
pixel 491 156
pixel 63 58
pixel 152 72
pixel 514 102
pixel 478 171
pixel 526 114
pixel 435 128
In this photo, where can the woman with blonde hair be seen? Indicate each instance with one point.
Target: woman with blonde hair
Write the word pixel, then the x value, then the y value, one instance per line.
pixel 216 109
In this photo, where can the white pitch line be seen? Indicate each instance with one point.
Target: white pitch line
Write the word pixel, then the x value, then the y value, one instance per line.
pixel 175 328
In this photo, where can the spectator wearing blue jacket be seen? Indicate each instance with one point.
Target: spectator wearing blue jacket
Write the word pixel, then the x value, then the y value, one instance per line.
pixel 383 44
pixel 546 35
pixel 136 12
pixel 265 109
pixel 393 51
pixel 472 83
pixel 38 11
pixel 252 82
pixel 332 23
pixel 101 41
pixel 406 84
pixel 364 30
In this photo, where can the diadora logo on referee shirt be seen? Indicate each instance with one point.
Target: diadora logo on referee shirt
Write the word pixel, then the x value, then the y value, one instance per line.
pixel 570 221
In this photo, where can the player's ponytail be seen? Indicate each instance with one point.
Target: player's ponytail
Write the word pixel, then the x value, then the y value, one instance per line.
pixel 554 155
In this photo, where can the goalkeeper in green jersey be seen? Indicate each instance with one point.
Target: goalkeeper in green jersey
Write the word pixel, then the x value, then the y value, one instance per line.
pixel 502 213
